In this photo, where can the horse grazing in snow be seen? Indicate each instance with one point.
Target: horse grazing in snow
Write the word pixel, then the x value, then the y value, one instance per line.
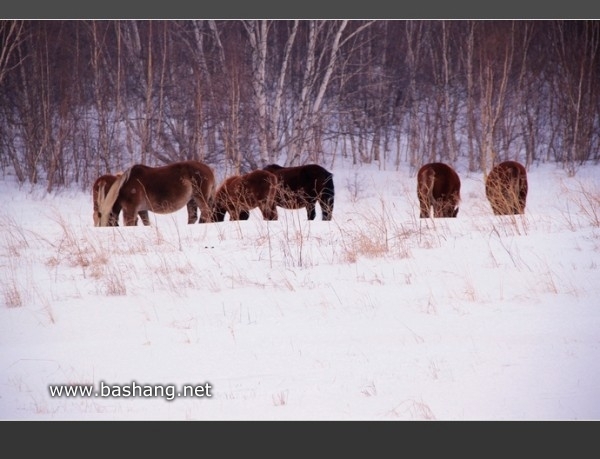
pixel 438 187
pixel 163 190
pixel 99 190
pixel 239 194
pixel 304 186
pixel 506 188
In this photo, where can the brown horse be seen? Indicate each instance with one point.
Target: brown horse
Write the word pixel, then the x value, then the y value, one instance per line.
pixel 438 186
pixel 99 189
pixel 162 190
pixel 239 194
pixel 304 186
pixel 506 188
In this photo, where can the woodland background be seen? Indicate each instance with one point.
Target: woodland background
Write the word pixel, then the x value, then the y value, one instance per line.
pixel 79 98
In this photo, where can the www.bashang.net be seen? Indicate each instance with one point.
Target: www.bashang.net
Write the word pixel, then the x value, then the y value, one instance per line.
pixel 167 391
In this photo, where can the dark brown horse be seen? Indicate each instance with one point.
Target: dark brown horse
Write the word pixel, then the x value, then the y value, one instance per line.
pixel 304 186
pixel 438 187
pixel 99 190
pixel 162 190
pixel 506 188
pixel 239 194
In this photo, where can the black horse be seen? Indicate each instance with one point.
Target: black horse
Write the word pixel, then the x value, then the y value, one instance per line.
pixel 304 186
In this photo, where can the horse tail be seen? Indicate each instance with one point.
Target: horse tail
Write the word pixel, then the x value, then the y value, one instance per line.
pixel 429 185
pixel 458 197
pixel 211 196
pixel 212 192
pixel 327 197
pixel 204 182
pixel 273 183
pixel 425 184
pixel 106 202
pixel 520 190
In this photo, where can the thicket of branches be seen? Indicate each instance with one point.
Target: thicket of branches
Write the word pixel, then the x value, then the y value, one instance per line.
pixel 82 98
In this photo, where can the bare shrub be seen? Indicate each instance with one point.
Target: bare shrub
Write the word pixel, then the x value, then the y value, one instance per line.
pixel 355 186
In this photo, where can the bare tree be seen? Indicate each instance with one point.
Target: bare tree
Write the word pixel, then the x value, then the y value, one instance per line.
pixel 12 35
pixel 495 60
pixel 413 37
pixel 324 41
pixel 578 54
pixel 78 98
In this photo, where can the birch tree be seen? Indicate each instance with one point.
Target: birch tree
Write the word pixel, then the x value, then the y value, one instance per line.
pixel 496 59
pixel 577 48
pixel 324 42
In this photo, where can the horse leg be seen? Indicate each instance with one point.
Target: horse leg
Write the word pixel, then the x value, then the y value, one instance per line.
pixel 206 211
pixel 424 206
pixel 310 209
pixel 218 214
pixel 326 208
pixel 144 216
pixel 273 213
pixel 445 208
pixel 234 214
pixel 113 219
pixel 129 217
pixel 452 206
pixel 192 210
pixel 269 212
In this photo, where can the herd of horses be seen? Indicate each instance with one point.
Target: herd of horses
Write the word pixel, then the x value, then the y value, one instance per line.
pixel 166 189
pixel 438 189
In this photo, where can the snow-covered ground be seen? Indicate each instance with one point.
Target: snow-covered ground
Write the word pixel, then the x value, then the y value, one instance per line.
pixel 375 315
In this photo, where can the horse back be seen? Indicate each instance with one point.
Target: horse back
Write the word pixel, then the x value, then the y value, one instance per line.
pixel 175 183
pixel 261 184
pixel 309 178
pixel 439 179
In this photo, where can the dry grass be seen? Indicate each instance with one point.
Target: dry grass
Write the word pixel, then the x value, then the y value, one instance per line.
pixel 413 409
pixel 587 201
pixel 113 282
pixel 376 234
pixel 372 232
pixel 280 398
pixel 11 294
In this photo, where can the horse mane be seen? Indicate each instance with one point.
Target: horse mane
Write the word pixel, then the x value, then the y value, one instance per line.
pixel 272 167
pixel 106 203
